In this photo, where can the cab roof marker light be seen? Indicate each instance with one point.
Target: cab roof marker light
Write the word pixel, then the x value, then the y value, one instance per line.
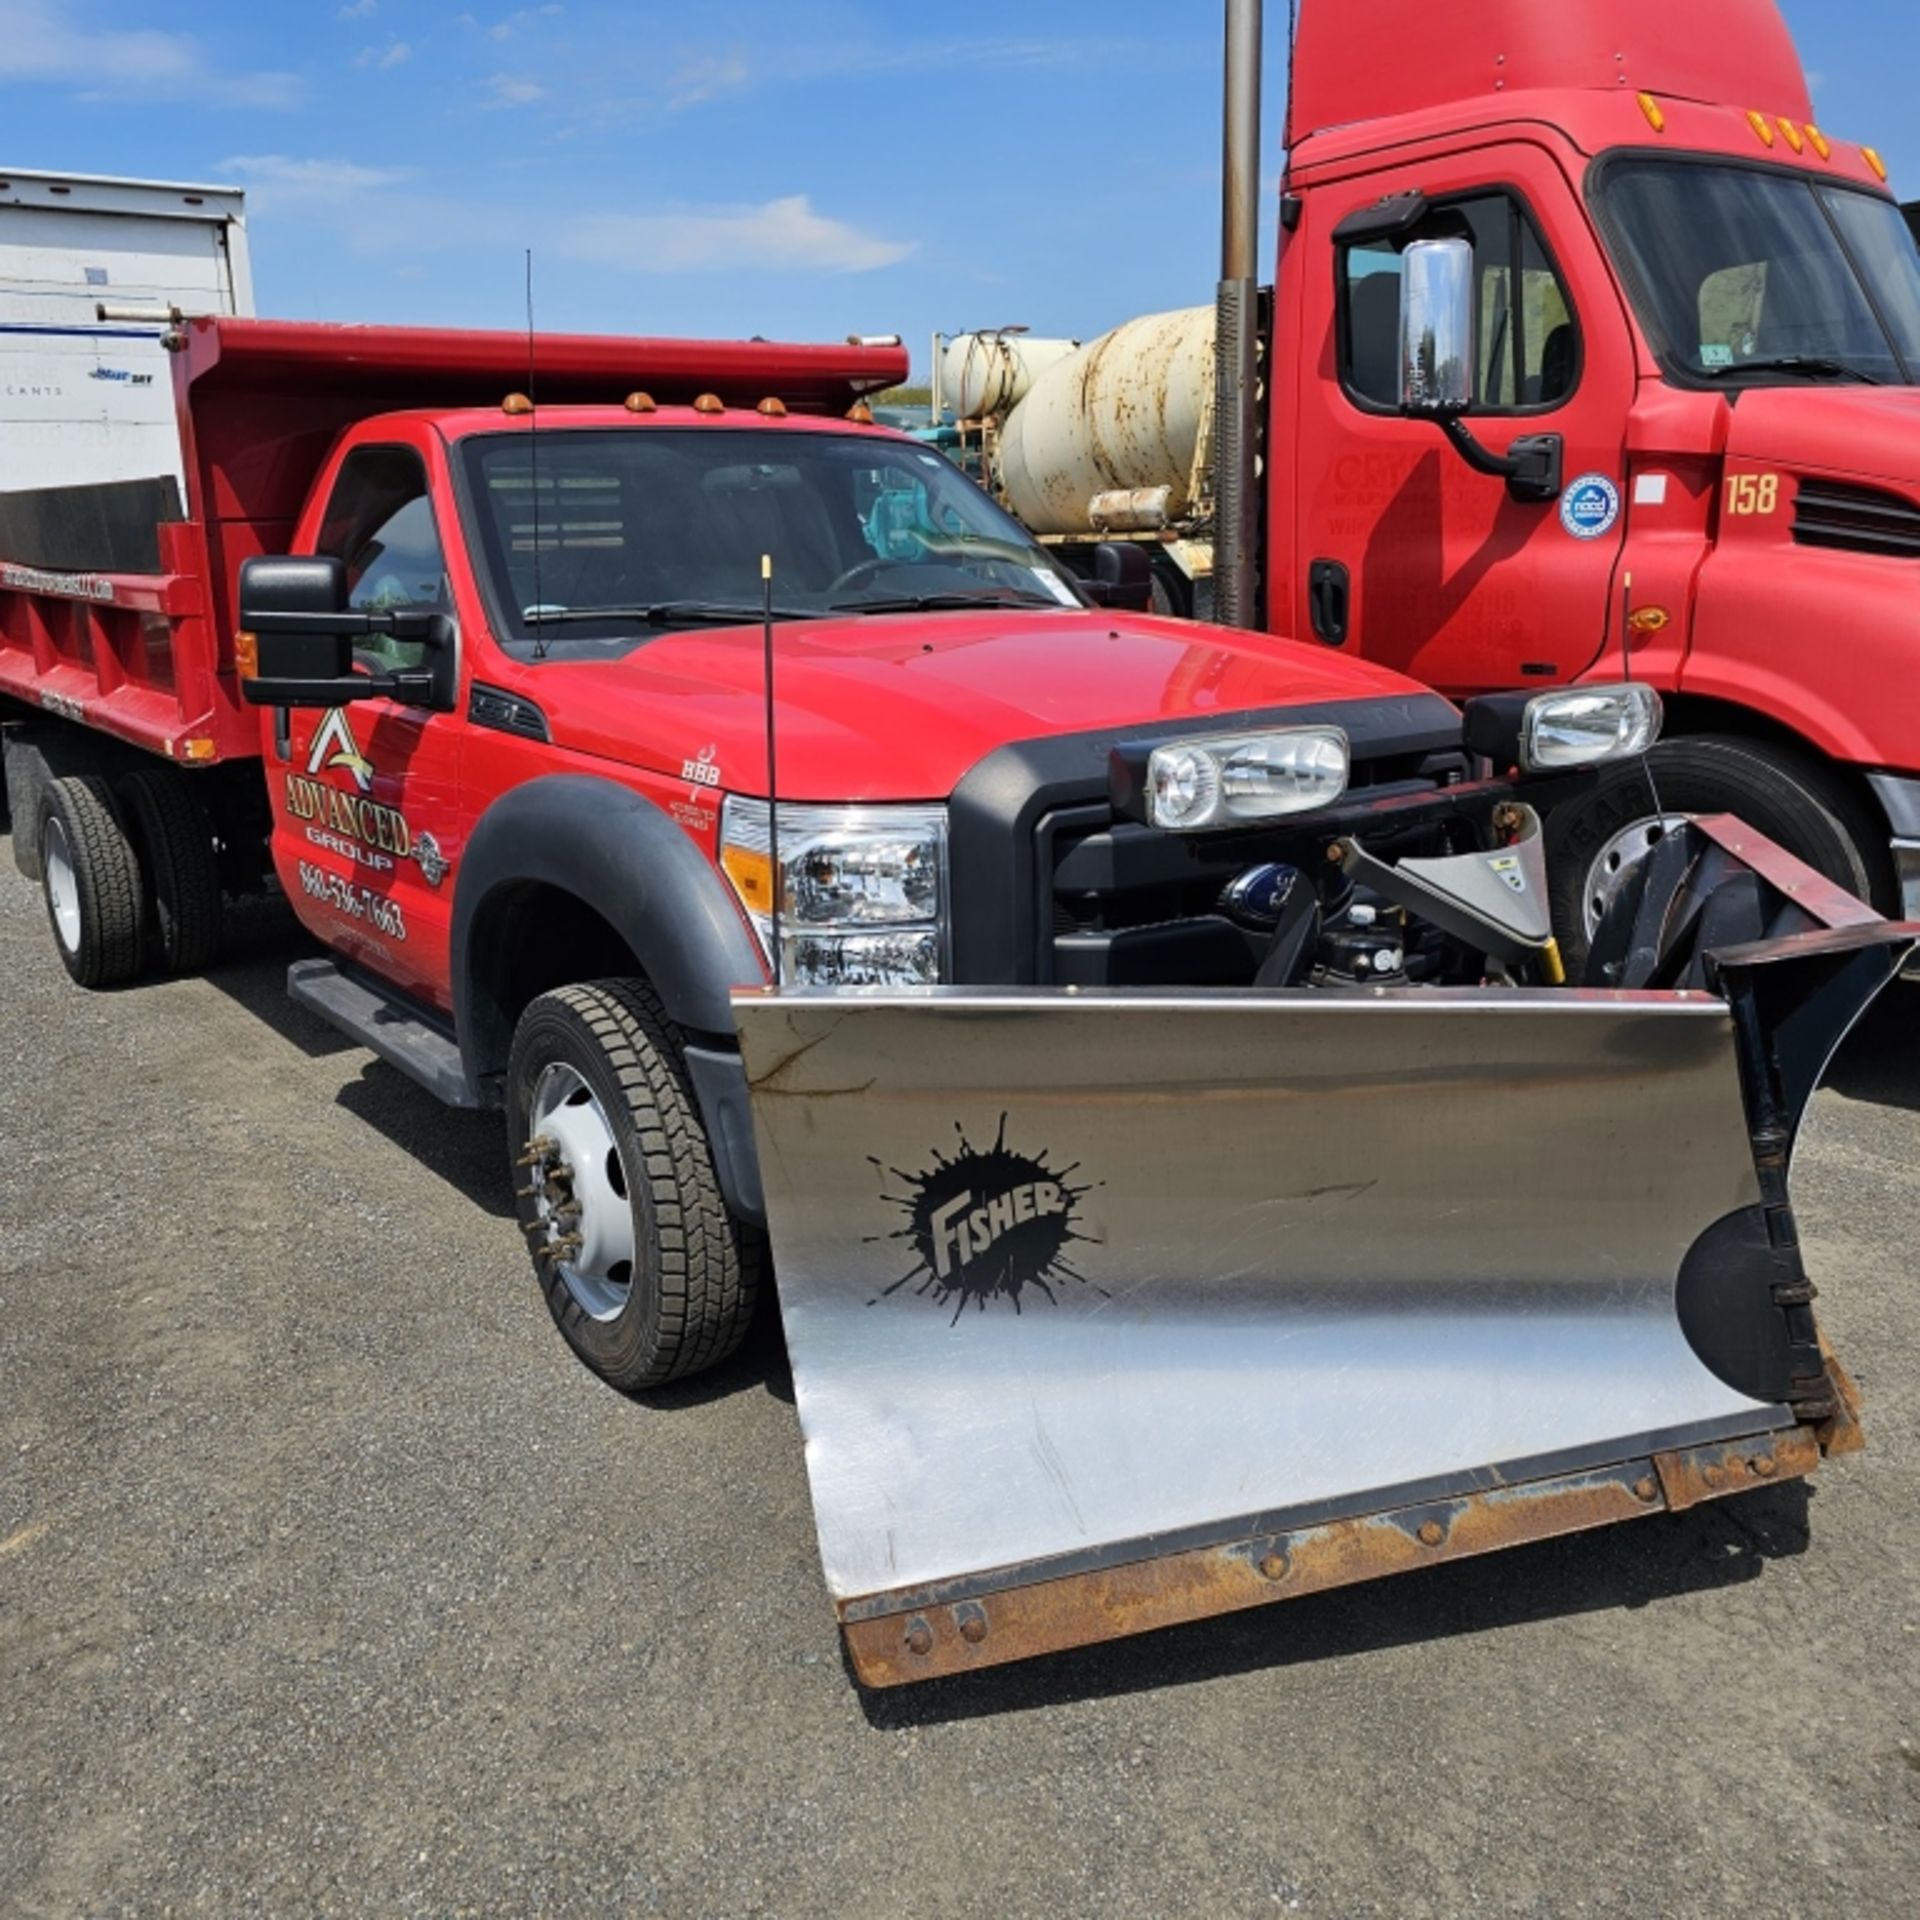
pixel 641 403
pixel 1872 157
pixel 772 408
pixel 860 414
pixel 1761 125
pixel 1656 119
pixel 1793 135
pixel 516 403
pixel 709 403
pixel 1819 142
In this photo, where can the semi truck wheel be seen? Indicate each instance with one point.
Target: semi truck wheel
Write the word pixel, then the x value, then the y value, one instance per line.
pixel 175 845
pixel 645 1272
pixel 1594 844
pixel 91 877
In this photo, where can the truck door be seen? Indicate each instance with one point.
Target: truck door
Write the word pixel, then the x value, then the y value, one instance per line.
pixel 367 795
pixel 1405 554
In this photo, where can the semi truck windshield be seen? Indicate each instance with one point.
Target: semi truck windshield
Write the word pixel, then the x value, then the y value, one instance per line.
pixel 1743 275
pixel 598 534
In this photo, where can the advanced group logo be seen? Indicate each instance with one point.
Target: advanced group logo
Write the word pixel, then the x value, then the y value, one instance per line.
pixel 986 1223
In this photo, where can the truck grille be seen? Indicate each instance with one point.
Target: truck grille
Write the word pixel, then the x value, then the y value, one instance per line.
pixel 1856 520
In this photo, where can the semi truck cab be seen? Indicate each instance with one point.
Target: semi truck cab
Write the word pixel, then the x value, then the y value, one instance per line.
pixel 1705 313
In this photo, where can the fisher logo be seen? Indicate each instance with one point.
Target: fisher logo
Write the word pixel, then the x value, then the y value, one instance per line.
pixel 334 746
pixel 985 1224
pixel 1590 508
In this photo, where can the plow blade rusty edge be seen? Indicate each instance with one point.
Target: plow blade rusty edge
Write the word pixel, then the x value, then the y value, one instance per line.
pixel 1108 1310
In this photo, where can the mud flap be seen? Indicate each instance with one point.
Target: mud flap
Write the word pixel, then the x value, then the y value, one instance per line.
pixel 1108 1310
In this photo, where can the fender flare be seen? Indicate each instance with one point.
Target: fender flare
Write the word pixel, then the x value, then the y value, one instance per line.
pixel 633 865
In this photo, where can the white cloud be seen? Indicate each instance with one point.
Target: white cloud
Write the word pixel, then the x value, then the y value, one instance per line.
pixel 40 44
pixel 378 210
pixel 277 184
pixel 701 80
pixel 512 90
pixel 781 234
pixel 359 10
pixel 393 54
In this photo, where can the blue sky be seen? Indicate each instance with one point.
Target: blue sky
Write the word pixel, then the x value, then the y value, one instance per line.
pixel 802 168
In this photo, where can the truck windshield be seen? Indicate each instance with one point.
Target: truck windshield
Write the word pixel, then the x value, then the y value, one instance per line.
pixel 1744 276
pixel 596 534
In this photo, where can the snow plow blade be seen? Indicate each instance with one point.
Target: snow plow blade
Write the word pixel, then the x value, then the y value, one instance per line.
pixel 1109 1310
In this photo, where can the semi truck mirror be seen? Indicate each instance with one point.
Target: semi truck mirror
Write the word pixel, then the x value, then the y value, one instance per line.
pixel 1436 329
pixel 1437 362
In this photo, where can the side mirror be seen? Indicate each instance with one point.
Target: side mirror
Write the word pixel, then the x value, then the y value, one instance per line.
pixel 1436 329
pixel 1122 577
pixel 298 637
pixel 1437 283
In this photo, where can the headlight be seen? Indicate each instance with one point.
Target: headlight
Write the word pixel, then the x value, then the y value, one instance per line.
pixel 1231 780
pixel 1571 727
pixel 863 890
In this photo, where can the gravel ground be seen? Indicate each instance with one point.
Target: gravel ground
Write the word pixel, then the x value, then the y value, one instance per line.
pixel 329 1584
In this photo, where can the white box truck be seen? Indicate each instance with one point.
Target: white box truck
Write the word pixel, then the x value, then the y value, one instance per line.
pixel 92 270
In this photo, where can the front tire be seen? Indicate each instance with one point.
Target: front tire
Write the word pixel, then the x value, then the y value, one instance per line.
pixel 90 874
pixel 1593 843
pixel 647 1275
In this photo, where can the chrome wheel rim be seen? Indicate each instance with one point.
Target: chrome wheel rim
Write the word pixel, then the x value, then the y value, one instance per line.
pixel 583 1213
pixel 63 889
pixel 1619 860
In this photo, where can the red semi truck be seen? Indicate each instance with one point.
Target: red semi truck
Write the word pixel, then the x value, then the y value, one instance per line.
pixel 564 727
pixel 1701 310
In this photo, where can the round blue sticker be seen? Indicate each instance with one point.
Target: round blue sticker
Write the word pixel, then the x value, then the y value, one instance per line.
pixel 1590 506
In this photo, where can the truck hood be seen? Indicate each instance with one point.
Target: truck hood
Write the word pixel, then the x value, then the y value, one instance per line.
pixel 1871 433
pixel 899 707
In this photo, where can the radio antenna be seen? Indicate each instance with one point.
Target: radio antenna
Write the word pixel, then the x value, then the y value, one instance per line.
pixel 773 783
pixel 533 467
pixel 1626 673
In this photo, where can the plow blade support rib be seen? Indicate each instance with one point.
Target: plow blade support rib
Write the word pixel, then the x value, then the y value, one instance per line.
pixel 1107 1310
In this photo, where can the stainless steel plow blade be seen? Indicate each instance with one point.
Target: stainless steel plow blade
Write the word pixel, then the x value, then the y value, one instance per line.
pixel 1112 1310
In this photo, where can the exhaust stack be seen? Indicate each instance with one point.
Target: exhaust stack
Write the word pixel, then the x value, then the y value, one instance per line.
pixel 1236 352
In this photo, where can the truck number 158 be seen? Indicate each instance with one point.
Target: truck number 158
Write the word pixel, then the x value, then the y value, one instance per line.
pixel 1753 493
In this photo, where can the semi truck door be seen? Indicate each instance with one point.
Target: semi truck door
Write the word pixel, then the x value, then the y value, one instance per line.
pixel 1445 576
pixel 367 820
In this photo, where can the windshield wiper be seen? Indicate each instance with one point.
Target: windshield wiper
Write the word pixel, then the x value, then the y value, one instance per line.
pixel 664 613
pixel 1816 365
pixel 942 602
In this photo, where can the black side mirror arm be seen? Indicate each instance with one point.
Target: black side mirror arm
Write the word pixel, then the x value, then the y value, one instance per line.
pixel 1534 469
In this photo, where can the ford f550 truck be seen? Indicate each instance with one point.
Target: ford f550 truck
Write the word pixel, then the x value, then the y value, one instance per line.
pixel 1169 1043
pixel 1691 311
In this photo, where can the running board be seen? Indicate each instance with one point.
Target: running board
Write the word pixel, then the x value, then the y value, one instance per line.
pixel 398 1034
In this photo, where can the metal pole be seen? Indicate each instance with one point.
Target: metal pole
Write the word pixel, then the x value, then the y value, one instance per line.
pixel 1236 489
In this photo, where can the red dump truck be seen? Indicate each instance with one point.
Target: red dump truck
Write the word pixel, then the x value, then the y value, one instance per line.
pixel 1162 1016
pixel 1685 427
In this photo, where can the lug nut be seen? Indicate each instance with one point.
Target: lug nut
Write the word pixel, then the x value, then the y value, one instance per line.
pixel 1433 1534
pixel 537 1150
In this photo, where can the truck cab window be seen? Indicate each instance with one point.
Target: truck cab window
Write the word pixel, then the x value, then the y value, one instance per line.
pixel 380 522
pixel 1529 348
